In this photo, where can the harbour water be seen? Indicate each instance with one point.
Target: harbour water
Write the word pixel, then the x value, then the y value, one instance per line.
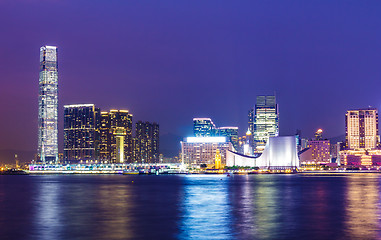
pixel 296 206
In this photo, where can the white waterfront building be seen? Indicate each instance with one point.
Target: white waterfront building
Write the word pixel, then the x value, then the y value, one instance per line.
pixel 279 153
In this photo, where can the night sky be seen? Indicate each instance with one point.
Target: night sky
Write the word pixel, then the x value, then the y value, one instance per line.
pixel 170 61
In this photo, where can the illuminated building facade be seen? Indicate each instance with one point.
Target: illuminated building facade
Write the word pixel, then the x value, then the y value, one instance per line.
pixel 251 116
pixel 48 105
pixel 203 127
pixel 104 137
pixel 361 139
pixel 203 150
pixel 81 132
pixel 146 142
pixel 112 125
pixel 279 153
pixel 317 153
pixel 266 121
pixel 361 129
pixel 217 160
pixel 119 134
pixel 320 151
pixel 120 119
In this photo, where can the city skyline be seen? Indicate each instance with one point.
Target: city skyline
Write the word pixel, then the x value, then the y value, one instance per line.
pixel 168 68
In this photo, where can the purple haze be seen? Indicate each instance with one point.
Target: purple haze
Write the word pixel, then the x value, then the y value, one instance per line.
pixel 170 61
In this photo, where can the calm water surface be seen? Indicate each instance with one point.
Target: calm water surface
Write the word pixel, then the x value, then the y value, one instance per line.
pixel 190 207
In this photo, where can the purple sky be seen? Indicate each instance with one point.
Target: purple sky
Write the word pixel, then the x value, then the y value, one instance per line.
pixel 170 61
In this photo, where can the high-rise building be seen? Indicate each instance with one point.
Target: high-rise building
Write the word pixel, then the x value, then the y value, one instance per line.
pixel 48 105
pixel 203 127
pixel 81 132
pixel 251 116
pixel 361 139
pixel 266 121
pixel 115 134
pixel 121 119
pixel 146 142
pixel 361 129
pixel 231 134
pixel 104 137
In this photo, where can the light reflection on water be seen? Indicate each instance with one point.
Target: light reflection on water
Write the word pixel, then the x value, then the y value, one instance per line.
pixel 362 202
pixel 47 210
pixel 205 206
pixel 191 207
pixel 114 204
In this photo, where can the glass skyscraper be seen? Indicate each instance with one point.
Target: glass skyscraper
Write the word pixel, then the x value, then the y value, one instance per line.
pixel 48 105
pixel 203 127
pixel 266 121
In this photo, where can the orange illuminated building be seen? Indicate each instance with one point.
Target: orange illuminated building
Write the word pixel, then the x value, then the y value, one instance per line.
pixel 361 139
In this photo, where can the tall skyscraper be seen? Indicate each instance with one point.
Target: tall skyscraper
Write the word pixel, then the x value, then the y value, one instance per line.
pixel 146 143
pixel 361 139
pixel 266 121
pixel 48 105
pixel 104 134
pixel 115 131
pixel 361 129
pixel 81 132
pixel 203 127
pixel 121 119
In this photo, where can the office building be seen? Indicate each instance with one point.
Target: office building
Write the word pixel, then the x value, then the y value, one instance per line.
pixel 265 123
pixel 317 153
pixel 81 132
pixel 320 151
pixel 146 142
pixel 48 105
pixel 231 134
pixel 105 138
pixel 361 129
pixel 203 127
pixel 116 143
pixel 361 146
pixel 120 120
pixel 203 150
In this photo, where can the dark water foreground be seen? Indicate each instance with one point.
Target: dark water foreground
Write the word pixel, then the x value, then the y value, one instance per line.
pixel 190 207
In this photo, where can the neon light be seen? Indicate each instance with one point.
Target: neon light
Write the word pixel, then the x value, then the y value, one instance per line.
pixel 206 139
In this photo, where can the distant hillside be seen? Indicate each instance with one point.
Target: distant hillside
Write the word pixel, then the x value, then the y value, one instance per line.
pixel 334 140
pixel 170 144
pixel 7 156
